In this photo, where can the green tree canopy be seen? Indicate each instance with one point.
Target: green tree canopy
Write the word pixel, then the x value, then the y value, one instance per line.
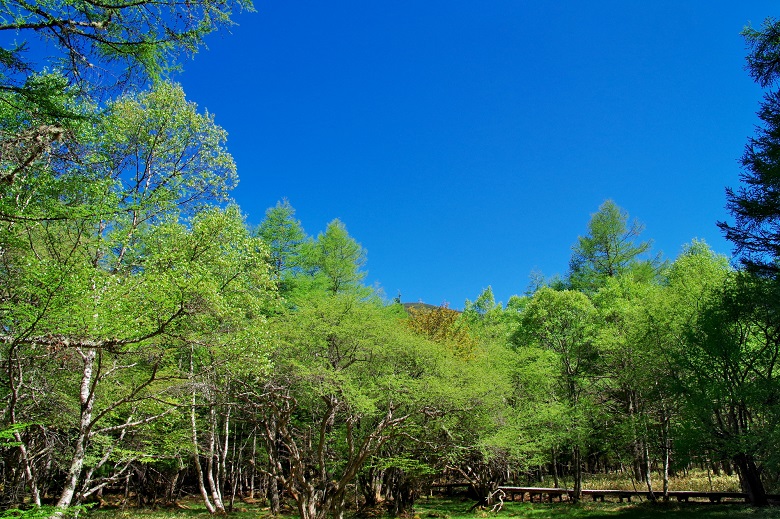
pixel 338 259
pixel 729 379
pixel 91 51
pixel 609 249
pixel 561 326
pixel 92 42
pixel 285 237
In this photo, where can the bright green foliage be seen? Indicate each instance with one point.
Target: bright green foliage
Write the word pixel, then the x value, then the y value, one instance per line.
pixel 641 331
pixel 636 401
pixel 542 418
pixel 355 348
pixel 36 159
pixel 561 324
pixel 43 512
pixel 205 282
pixel 484 434
pixel 728 374
pixel 609 250
pixel 285 238
pixel 485 303
pixel 42 123
pixel 337 259
pixel 111 260
pixel 695 273
pixel 486 318
pixel 347 379
pixel 149 155
pixel 155 156
pixel 163 154
pixel 89 45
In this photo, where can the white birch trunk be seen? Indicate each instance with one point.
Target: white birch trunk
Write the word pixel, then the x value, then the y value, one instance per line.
pixel 87 401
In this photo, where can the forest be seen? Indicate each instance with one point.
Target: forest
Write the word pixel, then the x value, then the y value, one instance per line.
pixel 154 345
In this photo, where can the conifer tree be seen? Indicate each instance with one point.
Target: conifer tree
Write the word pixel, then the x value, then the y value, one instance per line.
pixel 755 206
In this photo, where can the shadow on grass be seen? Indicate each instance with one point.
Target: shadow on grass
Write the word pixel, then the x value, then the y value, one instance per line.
pixel 444 509
pixel 437 508
pixel 191 510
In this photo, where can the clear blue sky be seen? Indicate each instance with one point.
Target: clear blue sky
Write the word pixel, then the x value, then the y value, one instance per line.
pixel 466 143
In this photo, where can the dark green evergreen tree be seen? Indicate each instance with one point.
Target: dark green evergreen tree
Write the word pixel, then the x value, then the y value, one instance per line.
pixel 755 206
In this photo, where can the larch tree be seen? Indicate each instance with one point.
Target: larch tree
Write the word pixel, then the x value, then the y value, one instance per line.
pixel 738 332
pixel 689 285
pixel 609 249
pixel 337 259
pixel 286 239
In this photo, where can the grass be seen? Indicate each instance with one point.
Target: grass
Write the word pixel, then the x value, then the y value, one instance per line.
pixel 190 508
pixel 697 480
pixel 442 508
pixel 453 509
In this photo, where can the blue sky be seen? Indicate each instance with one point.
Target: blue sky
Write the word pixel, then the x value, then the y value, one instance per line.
pixel 466 143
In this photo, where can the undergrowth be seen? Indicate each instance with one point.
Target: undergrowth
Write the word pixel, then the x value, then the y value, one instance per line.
pixel 697 480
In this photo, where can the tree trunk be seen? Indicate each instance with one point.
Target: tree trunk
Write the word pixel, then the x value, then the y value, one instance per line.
pixel 170 491
pixel 274 462
pixel 371 486
pixel 216 492
pixel 648 479
pixel 252 463
pixel 577 474
pixel 337 504
pixel 402 493
pixel 637 447
pixel 195 449
pixel 28 472
pixel 750 479
pixel 667 442
pixel 87 401
pixel 15 381
pixel 307 503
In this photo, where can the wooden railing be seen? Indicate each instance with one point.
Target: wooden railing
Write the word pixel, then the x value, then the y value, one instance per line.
pixel 538 494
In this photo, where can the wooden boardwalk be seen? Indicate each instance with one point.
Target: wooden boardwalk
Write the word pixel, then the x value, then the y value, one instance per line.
pixel 539 494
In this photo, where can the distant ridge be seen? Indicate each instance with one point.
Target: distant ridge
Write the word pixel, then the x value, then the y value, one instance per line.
pixel 425 306
pixel 419 306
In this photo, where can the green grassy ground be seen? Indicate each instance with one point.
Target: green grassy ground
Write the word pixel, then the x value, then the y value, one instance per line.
pixel 444 509
pixel 439 508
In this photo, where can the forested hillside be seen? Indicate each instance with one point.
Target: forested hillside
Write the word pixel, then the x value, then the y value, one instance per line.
pixel 153 345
